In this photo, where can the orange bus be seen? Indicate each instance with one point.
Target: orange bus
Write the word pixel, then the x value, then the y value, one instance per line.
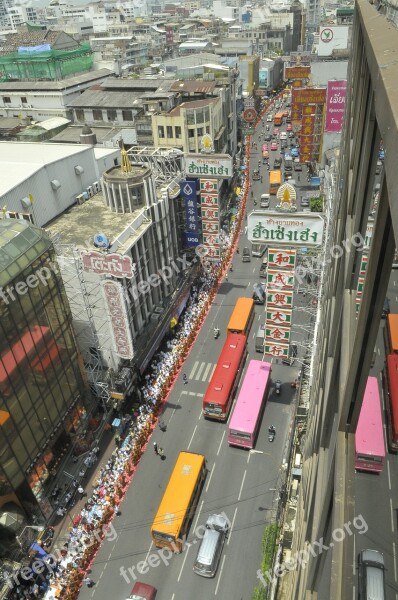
pixel 391 334
pixel 275 181
pixel 278 118
pixel 242 316
pixel 181 496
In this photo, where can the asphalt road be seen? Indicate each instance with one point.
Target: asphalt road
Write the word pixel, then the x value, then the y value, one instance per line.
pixel 245 485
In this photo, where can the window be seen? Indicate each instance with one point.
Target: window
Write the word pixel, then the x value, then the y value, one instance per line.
pixel 169 131
pixel 24 100
pixel 161 131
pixel 191 133
pixel 111 114
pixel 127 115
pixel 200 131
pixel 79 112
pixel 6 100
pixel 97 114
pixel 178 132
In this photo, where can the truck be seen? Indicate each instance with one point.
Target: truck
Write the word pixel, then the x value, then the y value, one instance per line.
pixel 260 339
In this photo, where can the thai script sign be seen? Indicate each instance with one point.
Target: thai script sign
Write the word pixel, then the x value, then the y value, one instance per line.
pixel 216 165
pixel 119 324
pixel 108 264
pixel 300 230
pixel 309 96
pixel 297 72
pixel 335 105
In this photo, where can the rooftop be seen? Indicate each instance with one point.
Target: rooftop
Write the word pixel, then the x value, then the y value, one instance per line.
pixel 82 222
pixel 104 98
pixel 138 84
pixel 63 85
pixel 194 86
pixel 72 134
pixel 175 112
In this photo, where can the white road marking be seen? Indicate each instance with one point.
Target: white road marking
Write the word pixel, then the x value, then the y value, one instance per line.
pixel 210 476
pixel 392 516
pixel 190 441
pixel 241 486
pixel 198 374
pixel 395 561
pixel 221 441
pixel 206 373
pixel 232 526
pixel 195 366
pixel 219 577
pixel 354 558
pixel 183 563
pixel 389 475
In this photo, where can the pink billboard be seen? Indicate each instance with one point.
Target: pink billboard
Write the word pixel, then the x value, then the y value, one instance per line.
pixel 335 105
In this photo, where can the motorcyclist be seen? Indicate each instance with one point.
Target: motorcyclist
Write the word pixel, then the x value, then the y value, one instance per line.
pixel 216 332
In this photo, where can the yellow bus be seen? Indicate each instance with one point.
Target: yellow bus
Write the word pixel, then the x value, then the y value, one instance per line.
pixel 275 181
pixel 178 505
pixel 242 316
pixel 278 118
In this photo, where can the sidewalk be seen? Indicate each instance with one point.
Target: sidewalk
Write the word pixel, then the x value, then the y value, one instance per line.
pixel 63 525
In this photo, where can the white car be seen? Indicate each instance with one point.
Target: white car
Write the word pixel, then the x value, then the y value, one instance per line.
pixel 269 118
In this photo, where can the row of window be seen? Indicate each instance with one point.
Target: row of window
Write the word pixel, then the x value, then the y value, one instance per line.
pixel 199 131
pixel 7 99
pixel 98 115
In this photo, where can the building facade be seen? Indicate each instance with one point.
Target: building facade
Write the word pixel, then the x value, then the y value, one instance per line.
pixel 43 401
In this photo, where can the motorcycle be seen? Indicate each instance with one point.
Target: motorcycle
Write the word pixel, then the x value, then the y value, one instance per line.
pixel 216 333
pixel 271 433
pixel 278 385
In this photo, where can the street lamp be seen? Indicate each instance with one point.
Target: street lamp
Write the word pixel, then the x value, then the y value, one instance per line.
pixel 35 527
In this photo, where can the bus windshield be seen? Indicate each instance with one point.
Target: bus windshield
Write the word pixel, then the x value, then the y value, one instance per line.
pixel 249 406
pixel 369 435
pixel 179 501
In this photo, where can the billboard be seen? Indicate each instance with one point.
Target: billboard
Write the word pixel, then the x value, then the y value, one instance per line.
pixel 332 38
pixel 335 105
pixel 300 229
pixel 297 72
pixel 205 165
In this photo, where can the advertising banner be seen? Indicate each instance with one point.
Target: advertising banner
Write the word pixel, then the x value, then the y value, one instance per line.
pixel 119 323
pixel 214 165
pixel 335 105
pixel 302 229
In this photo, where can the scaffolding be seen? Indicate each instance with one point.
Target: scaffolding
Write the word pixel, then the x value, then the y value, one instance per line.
pixel 49 65
pixel 167 164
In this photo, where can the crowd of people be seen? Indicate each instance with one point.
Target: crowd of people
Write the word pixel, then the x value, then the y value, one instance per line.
pixel 70 564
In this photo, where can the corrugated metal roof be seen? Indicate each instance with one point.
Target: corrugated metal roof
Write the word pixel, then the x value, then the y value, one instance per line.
pixel 194 104
pixel 193 86
pixel 106 99
pixel 64 84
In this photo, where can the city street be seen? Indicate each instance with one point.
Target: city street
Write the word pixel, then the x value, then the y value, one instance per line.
pixel 245 485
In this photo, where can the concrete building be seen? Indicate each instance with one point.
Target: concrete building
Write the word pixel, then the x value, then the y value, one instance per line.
pixel 331 494
pixel 41 100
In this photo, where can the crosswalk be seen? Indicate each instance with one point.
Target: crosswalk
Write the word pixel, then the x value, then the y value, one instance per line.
pixel 201 371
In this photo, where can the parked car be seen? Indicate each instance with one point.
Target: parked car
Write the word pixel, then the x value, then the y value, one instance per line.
pixel 379 167
pixel 142 591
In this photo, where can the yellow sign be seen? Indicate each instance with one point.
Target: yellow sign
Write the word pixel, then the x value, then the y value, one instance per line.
pixel 173 322
pixel 117 396
pixel 206 144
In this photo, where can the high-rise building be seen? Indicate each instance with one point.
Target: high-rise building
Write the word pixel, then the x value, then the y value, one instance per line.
pixel 43 402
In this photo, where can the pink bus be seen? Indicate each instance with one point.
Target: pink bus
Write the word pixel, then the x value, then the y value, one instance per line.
pixel 369 436
pixel 246 416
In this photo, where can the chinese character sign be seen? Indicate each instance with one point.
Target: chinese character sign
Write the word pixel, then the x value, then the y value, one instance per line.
pixel 277 334
pixel 335 105
pixel 277 316
pixel 276 349
pixel 279 279
pixel 278 258
pixel 188 192
pixel 279 299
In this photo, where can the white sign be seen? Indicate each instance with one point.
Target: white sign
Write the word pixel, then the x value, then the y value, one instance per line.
pixel 332 38
pixel 215 165
pixel 299 230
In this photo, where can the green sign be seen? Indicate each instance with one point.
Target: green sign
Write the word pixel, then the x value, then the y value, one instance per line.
pixel 248 131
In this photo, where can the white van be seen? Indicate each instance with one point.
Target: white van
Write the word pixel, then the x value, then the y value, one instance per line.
pixel 211 546
pixel 283 135
pixel 264 201
pixel 371 575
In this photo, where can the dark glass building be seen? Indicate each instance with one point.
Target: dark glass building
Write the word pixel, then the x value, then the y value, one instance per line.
pixel 43 398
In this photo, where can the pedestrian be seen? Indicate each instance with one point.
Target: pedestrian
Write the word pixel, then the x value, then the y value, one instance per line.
pixel 74 483
pixel 155 447
pixel 298 177
pixel 261 178
pixel 89 582
pixel 161 453
pixel 81 491
pixel 185 378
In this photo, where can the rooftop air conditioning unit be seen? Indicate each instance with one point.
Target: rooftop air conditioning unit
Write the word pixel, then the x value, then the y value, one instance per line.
pixel 80 199
pixel 90 191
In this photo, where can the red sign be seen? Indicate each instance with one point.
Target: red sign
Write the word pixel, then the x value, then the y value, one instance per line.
pixel 210 214
pixel 249 115
pixel 309 96
pixel 210 227
pixel 119 322
pixel 297 72
pixel 109 264
pixel 208 200
pixel 210 186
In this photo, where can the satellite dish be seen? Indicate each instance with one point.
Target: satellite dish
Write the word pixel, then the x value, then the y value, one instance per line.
pixel 101 241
